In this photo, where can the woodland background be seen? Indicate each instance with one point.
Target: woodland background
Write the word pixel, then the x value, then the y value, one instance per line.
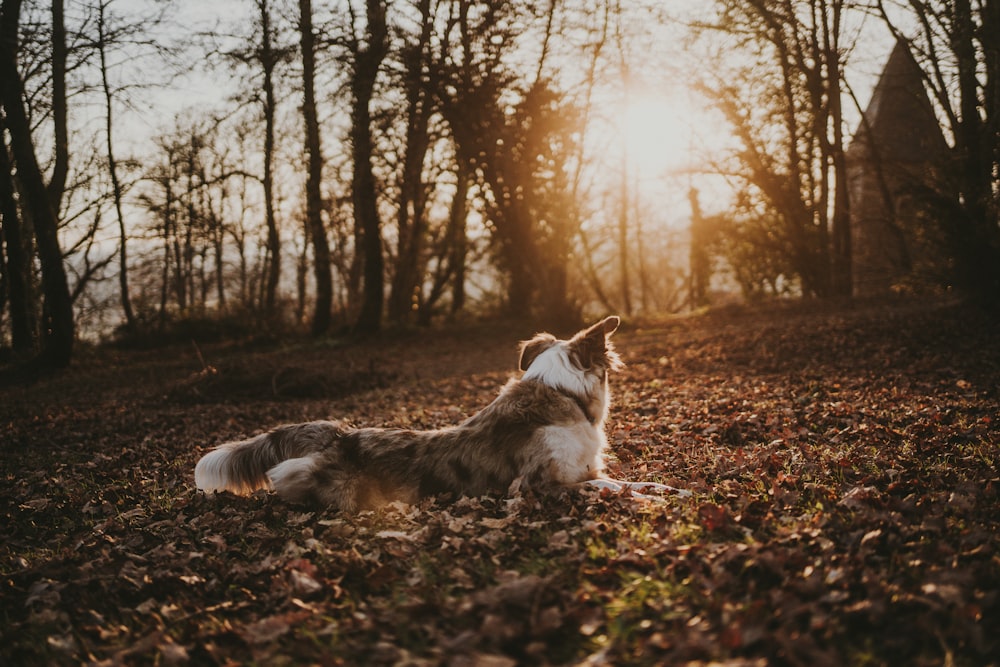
pixel 370 163
pixel 372 203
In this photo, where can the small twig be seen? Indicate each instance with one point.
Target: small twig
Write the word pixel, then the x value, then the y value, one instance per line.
pixel 206 369
pixel 201 357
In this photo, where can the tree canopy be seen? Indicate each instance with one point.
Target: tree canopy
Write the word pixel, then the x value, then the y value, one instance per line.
pixel 357 163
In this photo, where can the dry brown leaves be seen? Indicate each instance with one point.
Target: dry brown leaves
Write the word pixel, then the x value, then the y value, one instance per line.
pixel 843 467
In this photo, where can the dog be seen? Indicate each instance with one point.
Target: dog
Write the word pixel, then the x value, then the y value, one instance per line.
pixel 545 428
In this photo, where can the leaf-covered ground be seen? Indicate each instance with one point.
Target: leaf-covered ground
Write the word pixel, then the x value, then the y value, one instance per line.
pixel 843 464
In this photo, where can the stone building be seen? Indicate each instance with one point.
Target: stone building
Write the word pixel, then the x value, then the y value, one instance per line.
pixel 897 169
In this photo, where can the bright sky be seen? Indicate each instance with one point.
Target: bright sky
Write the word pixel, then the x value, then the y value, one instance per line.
pixel 667 129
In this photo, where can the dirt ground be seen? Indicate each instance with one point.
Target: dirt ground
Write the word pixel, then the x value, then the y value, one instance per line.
pixel 843 464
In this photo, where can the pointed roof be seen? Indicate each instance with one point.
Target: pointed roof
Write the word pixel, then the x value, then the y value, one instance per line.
pixel 900 114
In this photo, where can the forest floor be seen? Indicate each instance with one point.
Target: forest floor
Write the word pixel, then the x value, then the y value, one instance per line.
pixel 845 506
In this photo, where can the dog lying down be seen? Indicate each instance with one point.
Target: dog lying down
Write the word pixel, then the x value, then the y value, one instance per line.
pixel 546 428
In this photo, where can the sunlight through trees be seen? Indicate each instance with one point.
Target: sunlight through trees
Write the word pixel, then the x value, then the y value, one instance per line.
pixel 338 166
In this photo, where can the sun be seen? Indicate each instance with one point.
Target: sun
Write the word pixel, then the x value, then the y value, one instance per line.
pixel 659 134
pixel 668 141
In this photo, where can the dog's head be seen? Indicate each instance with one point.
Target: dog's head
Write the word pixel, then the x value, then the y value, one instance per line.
pixel 579 365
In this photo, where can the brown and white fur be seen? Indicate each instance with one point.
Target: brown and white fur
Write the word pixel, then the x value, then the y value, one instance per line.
pixel 546 428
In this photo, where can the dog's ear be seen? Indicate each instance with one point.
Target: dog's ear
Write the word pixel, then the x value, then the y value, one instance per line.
pixel 601 330
pixel 530 349
pixel 609 324
pixel 591 345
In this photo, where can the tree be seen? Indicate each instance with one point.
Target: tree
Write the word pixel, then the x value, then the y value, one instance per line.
pixel 958 44
pixel 103 39
pixel 367 52
pixel 269 57
pixel 830 128
pixel 700 256
pixel 411 204
pixel 186 221
pixel 623 189
pixel 16 261
pixel 783 103
pixel 519 139
pixel 263 57
pixel 39 200
pixel 322 269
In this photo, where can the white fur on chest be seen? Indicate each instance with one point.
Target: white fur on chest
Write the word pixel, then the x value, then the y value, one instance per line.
pixel 576 451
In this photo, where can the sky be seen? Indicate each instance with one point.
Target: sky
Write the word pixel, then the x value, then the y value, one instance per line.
pixel 667 129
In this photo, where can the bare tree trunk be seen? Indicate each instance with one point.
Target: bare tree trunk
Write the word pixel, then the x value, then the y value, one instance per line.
pixel 202 280
pixel 457 236
pixel 623 235
pixel 411 218
pixel 977 237
pixel 969 131
pixel 116 187
pixel 18 259
pixel 269 60
pixel 165 269
pixel 623 186
pixel 322 270
pixel 217 238
pixel 184 253
pixel 3 274
pixel 599 44
pixel 58 331
pixel 700 263
pixel 60 167
pixel 238 232
pixel 367 60
pixel 301 271
pixel 842 280
pixel 989 36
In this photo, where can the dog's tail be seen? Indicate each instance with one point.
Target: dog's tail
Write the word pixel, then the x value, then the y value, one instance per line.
pixel 245 466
